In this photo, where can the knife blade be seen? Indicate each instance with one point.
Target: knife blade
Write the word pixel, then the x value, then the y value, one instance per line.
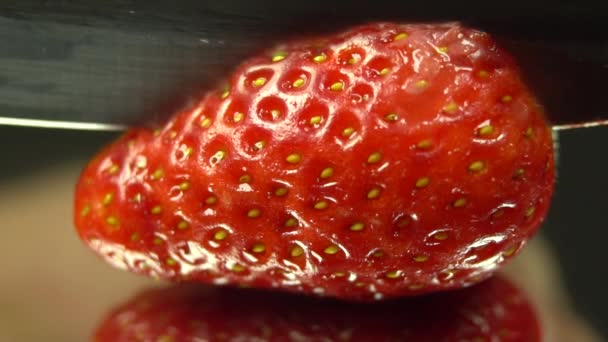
pixel 106 68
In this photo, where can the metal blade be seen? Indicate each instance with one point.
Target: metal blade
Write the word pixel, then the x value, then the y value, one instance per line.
pixel 569 77
pixel 104 67
pixel 58 75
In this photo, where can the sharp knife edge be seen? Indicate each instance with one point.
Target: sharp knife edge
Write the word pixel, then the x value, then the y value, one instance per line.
pixel 71 125
pixel 97 126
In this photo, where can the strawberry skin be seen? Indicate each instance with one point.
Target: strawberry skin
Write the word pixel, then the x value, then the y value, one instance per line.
pixel 491 311
pixel 386 160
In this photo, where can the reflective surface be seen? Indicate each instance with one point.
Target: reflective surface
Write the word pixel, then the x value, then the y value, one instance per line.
pixel 55 289
pixel 490 311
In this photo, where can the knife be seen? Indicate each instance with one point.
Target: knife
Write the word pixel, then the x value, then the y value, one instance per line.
pixel 74 65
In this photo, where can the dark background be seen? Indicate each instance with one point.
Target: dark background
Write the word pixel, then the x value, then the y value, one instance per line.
pixel 577 222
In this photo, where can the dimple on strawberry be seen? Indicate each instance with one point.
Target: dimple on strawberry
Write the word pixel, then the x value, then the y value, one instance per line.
pixel 385 160
pixel 492 311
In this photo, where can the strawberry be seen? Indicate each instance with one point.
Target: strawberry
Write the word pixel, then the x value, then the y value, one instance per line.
pixel 386 160
pixel 491 311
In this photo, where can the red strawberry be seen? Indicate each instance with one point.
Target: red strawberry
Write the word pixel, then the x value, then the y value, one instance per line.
pixel 491 311
pixel 386 160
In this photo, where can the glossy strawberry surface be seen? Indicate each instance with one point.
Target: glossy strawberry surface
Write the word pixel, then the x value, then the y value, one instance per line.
pixel 385 160
pixel 491 311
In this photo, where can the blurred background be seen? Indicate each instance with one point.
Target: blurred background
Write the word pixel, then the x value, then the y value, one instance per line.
pixel 54 289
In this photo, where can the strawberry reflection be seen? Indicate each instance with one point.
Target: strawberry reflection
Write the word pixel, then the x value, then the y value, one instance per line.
pixel 494 310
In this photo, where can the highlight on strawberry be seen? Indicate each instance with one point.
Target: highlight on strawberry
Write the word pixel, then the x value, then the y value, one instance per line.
pixel 384 160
